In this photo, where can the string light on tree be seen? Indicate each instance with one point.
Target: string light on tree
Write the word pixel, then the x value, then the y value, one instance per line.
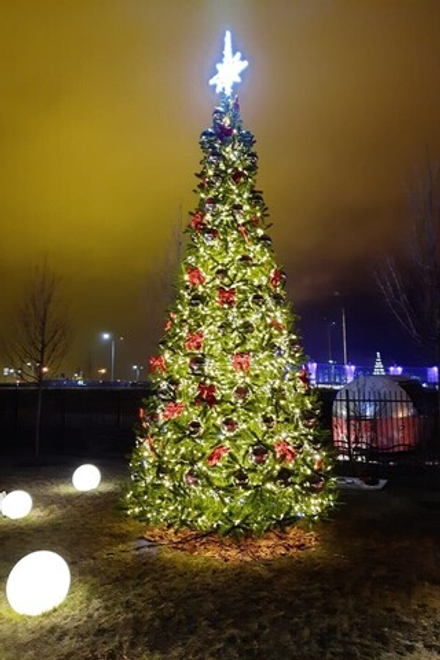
pixel 228 440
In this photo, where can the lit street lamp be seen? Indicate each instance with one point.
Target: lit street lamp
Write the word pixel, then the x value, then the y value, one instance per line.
pixel 108 336
pixel 137 371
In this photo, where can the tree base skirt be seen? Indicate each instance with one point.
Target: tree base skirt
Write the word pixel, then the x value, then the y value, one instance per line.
pixel 273 545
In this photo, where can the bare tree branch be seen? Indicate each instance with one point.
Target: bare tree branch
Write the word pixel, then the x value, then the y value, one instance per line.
pixel 410 283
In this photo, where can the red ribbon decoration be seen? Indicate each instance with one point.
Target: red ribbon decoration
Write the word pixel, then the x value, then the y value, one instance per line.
pixel 150 443
pixel 256 220
pixel 173 410
pixel 157 364
pixel 195 276
pixel 241 361
pixel 285 451
pixel 304 378
pixel 319 464
pixel 277 324
pixel 169 323
pixel 275 277
pixel 197 223
pixel 216 455
pixel 207 394
pixel 243 231
pixel 226 296
pixel 194 342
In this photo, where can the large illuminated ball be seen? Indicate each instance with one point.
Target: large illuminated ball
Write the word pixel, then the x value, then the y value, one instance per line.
pixel 86 477
pixel 38 583
pixel 16 504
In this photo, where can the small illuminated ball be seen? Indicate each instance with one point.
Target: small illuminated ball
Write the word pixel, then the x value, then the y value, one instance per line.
pixel 86 477
pixel 39 582
pixel 16 504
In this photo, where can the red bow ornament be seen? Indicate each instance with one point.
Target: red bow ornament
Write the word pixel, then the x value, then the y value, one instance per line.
pixel 285 451
pixel 195 276
pixel 206 394
pixel 241 361
pixel 216 455
pixel 169 323
pixel 226 296
pixel 194 342
pixel 275 278
pixel 173 410
pixel 197 223
pixel 157 364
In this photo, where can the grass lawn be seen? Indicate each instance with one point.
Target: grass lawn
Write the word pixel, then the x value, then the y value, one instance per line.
pixel 370 588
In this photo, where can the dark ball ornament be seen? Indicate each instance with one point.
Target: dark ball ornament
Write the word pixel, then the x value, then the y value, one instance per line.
pixel 265 239
pixel 197 364
pixel 278 298
pixel 229 425
pixel 207 135
pixel 246 260
pixel 195 428
pixel 209 235
pixel 257 299
pixel 259 454
pixel 191 478
pixel 221 273
pixel 247 138
pixel 247 328
pixel 241 392
pixel 269 421
pixel 196 300
pixel 218 115
pixel 241 478
pixel 224 328
pixel 284 476
pixel 166 390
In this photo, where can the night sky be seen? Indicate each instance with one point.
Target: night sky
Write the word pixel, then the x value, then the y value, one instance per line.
pixel 102 104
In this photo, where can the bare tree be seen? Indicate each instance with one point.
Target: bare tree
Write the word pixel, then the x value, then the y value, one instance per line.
pixel 40 335
pixel 410 282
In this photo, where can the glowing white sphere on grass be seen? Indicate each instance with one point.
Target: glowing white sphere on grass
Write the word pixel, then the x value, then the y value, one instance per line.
pixel 38 583
pixel 16 504
pixel 86 477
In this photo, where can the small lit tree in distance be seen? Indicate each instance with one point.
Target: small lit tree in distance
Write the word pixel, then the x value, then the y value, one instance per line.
pixel 228 440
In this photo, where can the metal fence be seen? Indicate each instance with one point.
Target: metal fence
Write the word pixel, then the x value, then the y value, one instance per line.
pixel 386 427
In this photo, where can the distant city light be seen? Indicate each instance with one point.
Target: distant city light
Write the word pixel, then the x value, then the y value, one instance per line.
pixel 311 368
pixel 432 375
pixel 349 372
pixel 395 370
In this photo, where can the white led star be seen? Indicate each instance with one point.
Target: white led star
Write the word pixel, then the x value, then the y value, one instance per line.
pixel 228 71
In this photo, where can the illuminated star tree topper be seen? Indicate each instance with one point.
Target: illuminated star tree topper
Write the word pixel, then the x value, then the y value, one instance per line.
pixel 228 71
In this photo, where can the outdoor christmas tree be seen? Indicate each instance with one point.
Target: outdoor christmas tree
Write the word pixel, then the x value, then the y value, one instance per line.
pixel 228 440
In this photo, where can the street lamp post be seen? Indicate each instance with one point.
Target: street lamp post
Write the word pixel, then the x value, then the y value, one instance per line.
pixel 137 371
pixel 344 330
pixel 108 336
